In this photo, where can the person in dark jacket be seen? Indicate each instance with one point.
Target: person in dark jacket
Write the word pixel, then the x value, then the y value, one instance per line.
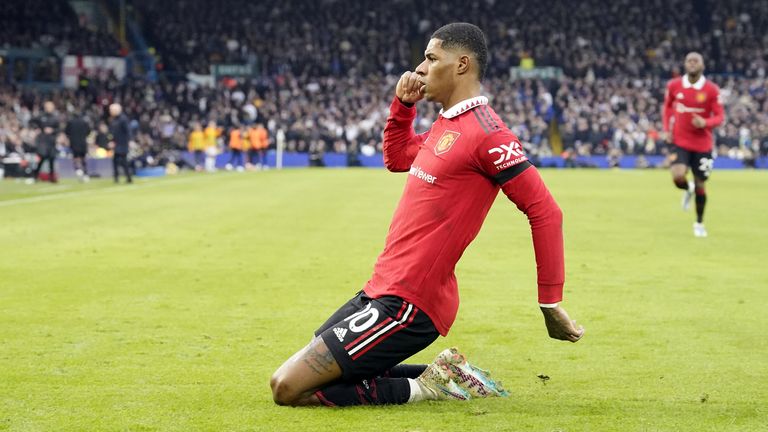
pixel 120 131
pixel 46 140
pixel 102 136
pixel 77 131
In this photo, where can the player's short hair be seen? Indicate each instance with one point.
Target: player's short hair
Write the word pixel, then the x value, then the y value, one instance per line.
pixel 467 36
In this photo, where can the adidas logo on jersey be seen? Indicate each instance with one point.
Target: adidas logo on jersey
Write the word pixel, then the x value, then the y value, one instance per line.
pixel 340 333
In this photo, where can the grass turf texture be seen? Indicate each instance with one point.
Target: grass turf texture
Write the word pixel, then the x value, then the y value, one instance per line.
pixel 167 305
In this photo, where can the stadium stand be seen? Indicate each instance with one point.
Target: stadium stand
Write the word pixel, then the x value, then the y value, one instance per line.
pixel 52 25
pixel 322 72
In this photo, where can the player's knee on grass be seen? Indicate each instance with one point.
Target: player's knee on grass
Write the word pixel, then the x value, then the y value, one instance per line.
pixel 311 368
pixel 279 389
pixel 284 392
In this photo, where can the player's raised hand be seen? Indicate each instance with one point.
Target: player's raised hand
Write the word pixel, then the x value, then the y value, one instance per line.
pixel 560 326
pixel 409 89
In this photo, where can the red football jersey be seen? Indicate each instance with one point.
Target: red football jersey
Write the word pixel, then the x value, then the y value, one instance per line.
pixel 455 172
pixel 682 101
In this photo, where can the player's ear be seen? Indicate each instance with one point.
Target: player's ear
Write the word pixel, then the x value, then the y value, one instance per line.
pixel 462 65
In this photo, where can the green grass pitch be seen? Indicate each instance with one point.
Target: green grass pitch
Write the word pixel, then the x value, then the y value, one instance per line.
pixel 166 305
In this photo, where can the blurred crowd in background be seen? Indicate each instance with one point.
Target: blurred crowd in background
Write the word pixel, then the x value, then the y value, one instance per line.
pixel 325 71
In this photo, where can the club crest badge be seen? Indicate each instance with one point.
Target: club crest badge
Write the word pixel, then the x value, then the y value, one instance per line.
pixel 446 142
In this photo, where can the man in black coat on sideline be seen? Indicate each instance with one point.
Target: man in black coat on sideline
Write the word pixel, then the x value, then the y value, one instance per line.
pixel 120 130
pixel 77 132
pixel 45 141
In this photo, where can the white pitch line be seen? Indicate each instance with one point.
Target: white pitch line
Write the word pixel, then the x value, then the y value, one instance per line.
pixel 57 187
pixel 111 189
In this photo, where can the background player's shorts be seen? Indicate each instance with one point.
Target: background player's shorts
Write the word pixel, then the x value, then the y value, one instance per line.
pixel 369 336
pixel 700 163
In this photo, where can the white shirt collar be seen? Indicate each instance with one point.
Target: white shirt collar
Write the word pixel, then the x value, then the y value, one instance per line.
pixel 698 85
pixel 464 106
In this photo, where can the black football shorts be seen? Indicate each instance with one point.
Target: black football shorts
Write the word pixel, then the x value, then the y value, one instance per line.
pixel 700 163
pixel 369 336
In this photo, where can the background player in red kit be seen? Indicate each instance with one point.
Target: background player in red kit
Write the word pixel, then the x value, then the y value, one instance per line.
pixel 694 104
pixel 455 172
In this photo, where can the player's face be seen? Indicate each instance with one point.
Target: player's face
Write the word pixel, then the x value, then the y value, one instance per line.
pixel 437 71
pixel 694 64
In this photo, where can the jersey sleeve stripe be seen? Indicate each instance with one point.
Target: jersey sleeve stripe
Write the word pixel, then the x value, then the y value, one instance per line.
pixel 511 172
pixel 480 120
pixel 489 117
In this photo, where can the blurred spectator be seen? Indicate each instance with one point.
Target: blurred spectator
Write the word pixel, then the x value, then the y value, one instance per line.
pixel 196 145
pixel 237 141
pixel 211 134
pixel 77 132
pixel 120 133
pixel 259 141
pixel 45 141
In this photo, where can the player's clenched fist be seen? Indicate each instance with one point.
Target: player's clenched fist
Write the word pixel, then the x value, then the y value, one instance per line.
pixel 409 89
pixel 560 326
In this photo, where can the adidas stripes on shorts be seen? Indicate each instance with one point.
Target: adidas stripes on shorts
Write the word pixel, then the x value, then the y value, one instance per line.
pixel 369 336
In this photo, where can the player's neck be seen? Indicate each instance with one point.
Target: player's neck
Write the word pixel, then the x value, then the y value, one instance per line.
pixel 461 94
pixel 693 78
